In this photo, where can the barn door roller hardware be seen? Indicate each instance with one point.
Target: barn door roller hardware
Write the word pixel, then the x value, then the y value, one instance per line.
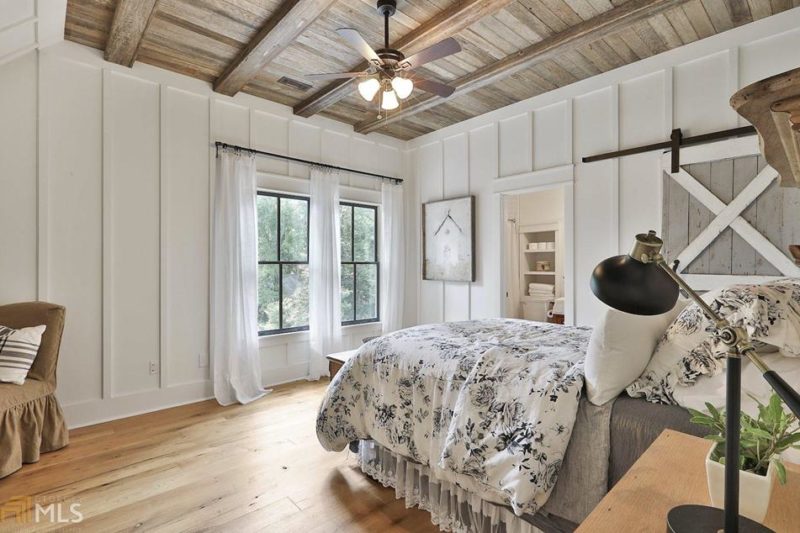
pixel 676 140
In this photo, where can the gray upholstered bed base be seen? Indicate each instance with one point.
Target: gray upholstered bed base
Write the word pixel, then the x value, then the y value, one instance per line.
pixel 631 425
pixel 635 424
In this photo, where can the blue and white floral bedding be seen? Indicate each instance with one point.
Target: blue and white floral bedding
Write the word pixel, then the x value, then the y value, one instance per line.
pixel 487 404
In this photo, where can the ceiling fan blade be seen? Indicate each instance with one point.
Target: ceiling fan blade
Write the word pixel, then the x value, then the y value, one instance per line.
pixel 439 50
pixel 335 75
pixel 355 40
pixel 435 87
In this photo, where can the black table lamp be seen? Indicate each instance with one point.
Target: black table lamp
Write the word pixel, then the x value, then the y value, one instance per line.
pixel 641 283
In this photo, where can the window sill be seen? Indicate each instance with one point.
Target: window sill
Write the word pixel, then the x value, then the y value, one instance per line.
pixel 305 336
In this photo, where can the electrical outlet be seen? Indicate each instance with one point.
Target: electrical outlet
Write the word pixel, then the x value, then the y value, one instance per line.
pixel 153 367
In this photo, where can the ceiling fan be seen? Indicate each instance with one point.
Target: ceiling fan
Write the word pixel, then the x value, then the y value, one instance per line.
pixel 389 71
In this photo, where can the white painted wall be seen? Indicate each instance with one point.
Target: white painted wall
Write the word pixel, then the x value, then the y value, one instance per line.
pixel 105 175
pixel 536 142
pixel 29 24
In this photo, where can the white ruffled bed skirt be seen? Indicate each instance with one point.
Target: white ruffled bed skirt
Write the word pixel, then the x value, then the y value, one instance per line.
pixel 451 507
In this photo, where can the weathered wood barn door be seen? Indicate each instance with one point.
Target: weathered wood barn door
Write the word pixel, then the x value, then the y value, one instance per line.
pixel 726 219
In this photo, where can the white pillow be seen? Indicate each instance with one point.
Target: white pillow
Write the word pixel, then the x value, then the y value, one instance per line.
pixel 620 348
pixel 18 349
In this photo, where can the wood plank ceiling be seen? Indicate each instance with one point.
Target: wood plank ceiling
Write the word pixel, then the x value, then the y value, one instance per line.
pixel 512 49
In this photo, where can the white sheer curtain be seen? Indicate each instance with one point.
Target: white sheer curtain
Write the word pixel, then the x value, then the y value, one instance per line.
pixel 324 256
pixel 393 256
pixel 234 331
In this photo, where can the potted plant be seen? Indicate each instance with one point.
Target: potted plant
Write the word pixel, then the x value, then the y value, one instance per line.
pixel 762 440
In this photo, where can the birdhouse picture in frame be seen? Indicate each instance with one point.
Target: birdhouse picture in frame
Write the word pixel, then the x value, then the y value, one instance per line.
pixel 448 240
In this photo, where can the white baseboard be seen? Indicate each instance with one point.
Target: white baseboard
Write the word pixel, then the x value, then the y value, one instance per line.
pixel 97 411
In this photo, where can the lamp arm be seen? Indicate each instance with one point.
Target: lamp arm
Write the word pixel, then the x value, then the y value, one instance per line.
pixel 739 340
pixel 713 315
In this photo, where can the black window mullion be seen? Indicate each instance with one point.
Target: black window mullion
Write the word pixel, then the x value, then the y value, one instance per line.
pixel 280 296
pixel 280 270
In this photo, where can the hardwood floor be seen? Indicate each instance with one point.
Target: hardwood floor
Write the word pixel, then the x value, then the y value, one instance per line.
pixel 203 467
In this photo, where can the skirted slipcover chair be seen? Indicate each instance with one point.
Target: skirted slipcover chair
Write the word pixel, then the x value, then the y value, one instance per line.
pixel 31 421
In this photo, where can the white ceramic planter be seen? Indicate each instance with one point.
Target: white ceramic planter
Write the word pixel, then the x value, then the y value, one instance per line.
pixel 754 490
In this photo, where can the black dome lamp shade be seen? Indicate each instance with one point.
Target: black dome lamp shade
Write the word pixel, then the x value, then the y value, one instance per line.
pixel 636 283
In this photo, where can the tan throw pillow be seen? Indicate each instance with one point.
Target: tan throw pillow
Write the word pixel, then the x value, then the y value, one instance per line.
pixel 18 349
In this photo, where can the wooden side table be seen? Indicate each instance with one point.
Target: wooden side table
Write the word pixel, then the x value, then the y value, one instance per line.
pixel 337 360
pixel 672 472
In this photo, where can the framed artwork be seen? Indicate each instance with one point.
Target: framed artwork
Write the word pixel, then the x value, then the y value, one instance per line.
pixel 448 240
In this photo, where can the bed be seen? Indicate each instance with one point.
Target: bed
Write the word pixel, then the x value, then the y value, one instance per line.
pixel 483 424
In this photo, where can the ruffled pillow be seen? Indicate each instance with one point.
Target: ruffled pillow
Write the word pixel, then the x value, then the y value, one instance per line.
pixel 769 312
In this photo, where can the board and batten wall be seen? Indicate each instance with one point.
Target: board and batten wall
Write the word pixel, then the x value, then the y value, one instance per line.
pixel 105 175
pixel 535 143
pixel 26 25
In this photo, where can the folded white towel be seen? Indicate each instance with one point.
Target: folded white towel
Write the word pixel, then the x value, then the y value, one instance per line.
pixel 558 306
pixel 541 286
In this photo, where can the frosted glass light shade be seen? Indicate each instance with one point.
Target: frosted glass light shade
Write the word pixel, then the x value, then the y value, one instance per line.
pixel 369 88
pixel 389 101
pixel 402 86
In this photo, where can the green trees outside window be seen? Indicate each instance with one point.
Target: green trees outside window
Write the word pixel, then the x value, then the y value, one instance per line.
pixel 283 271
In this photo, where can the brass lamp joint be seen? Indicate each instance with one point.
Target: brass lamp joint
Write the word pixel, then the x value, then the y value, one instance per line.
pixel 647 248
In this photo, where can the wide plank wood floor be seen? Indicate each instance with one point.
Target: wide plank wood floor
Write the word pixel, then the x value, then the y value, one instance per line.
pixel 202 467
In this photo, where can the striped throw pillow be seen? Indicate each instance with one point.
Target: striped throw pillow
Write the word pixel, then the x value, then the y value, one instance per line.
pixel 18 349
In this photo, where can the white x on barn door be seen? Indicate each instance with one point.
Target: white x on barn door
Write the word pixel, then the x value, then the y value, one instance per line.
pixel 727 215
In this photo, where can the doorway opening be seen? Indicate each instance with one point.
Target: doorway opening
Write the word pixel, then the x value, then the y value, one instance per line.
pixel 535 255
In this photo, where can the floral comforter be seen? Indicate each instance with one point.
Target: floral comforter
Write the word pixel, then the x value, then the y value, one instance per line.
pixel 487 404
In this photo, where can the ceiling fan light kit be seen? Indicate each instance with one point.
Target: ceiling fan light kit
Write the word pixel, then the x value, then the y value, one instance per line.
pixel 389 69
pixel 402 86
pixel 389 101
pixel 369 88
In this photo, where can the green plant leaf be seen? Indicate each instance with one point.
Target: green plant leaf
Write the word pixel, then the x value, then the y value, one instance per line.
pixel 758 432
pixel 781 470
pixel 788 440
pixel 713 411
pixel 702 421
pixel 775 407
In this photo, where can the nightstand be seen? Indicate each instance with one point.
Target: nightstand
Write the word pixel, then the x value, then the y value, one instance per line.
pixel 672 472
pixel 337 360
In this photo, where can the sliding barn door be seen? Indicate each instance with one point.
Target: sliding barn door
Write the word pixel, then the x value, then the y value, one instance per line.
pixel 726 219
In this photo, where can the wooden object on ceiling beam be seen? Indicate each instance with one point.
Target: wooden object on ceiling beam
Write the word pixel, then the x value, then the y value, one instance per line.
pixel 772 105
pixel 445 24
pixel 131 18
pixel 281 30
pixel 581 34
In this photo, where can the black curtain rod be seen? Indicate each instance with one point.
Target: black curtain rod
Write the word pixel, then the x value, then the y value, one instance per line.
pixel 305 161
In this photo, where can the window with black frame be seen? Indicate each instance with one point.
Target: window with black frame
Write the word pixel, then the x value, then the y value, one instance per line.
pixel 360 272
pixel 283 271
pixel 282 263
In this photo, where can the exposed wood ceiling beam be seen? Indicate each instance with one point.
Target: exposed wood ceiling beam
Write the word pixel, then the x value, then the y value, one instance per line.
pixel 282 28
pixel 445 24
pixel 131 18
pixel 576 36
